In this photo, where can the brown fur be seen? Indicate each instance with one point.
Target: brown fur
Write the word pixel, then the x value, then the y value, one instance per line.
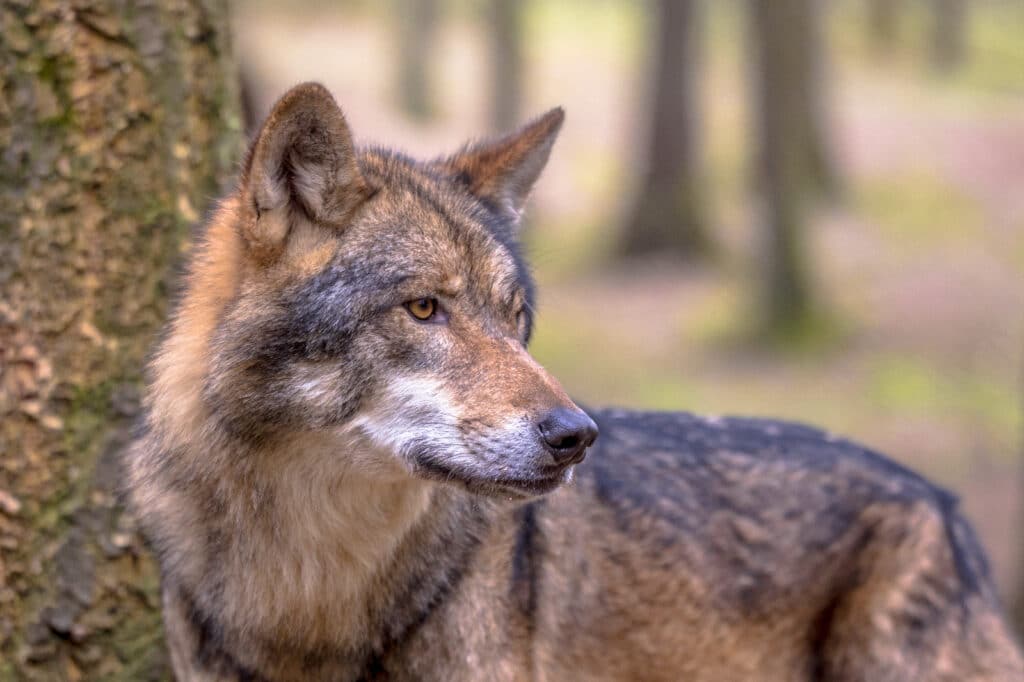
pixel 338 491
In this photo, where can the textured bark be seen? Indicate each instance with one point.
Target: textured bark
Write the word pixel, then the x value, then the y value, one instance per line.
pixel 117 119
pixel 506 82
pixel 786 299
pixel 669 216
pixel 417 38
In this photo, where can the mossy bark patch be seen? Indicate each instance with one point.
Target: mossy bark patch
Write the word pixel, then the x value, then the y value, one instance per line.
pixel 117 122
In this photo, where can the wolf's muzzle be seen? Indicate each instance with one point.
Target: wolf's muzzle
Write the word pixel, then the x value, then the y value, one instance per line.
pixel 567 433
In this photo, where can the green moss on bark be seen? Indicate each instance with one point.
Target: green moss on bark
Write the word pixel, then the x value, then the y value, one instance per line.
pixel 117 122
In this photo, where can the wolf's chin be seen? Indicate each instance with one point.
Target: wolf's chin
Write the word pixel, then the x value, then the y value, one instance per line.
pixel 503 487
pixel 522 488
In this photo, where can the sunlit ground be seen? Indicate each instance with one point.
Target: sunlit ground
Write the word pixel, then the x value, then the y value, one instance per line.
pixel 919 266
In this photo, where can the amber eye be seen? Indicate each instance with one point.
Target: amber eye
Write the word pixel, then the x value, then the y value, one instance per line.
pixel 422 308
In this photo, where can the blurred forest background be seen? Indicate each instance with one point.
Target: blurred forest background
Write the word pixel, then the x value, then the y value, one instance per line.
pixel 810 209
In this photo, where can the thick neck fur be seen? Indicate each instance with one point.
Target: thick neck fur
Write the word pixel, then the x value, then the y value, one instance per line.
pixel 289 557
pixel 308 543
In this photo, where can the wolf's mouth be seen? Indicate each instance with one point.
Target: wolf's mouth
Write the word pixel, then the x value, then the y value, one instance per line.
pixel 502 486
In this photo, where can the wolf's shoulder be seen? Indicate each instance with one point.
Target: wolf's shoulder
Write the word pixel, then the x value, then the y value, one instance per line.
pixel 771 495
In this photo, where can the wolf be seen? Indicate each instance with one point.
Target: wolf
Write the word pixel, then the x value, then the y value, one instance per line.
pixel 351 468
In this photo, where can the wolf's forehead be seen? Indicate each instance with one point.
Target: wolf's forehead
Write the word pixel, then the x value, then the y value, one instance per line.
pixel 436 224
pixel 465 243
pixel 493 272
pixel 475 263
pixel 487 263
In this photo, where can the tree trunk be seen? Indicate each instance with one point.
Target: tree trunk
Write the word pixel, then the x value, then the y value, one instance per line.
pixel 883 25
pixel 810 100
pixel 949 34
pixel 253 108
pixel 786 300
pixel 669 214
pixel 417 37
pixel 506 83
pixel 116 122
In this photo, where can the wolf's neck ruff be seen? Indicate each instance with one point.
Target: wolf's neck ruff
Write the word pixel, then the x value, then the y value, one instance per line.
pixel 348 564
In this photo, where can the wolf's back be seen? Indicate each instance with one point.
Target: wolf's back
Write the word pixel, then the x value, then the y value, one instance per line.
pixel 774 543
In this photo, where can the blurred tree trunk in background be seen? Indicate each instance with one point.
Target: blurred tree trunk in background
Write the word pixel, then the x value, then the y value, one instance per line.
pixel 669 214
pixel 883 24
pixel 786 299
pixel 811 98
pixel 505 19
pixel 417 38
pixel 949 34
pixel 116 123
pixel 253 107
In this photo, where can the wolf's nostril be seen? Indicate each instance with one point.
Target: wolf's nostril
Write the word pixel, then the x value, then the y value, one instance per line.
pixel 568 433
pixel 566 443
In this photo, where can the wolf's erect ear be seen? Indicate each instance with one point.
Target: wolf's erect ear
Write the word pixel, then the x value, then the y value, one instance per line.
pixel 502 171
pixel 302 160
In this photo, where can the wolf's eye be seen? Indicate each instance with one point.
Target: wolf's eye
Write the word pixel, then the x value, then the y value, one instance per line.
pixel 422 309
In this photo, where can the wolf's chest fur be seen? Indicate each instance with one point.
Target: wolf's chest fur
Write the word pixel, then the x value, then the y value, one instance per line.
pixel 351 468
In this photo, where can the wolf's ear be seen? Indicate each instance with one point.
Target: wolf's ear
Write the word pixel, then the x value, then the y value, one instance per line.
pixel 502 171
pixel 302 160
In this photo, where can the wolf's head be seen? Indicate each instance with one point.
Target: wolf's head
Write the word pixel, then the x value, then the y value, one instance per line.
pixel 383 301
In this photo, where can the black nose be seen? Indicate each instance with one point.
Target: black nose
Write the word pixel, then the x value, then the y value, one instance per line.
pixel 568 433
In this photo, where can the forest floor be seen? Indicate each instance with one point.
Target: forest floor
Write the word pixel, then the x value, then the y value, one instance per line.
pixel 919 264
